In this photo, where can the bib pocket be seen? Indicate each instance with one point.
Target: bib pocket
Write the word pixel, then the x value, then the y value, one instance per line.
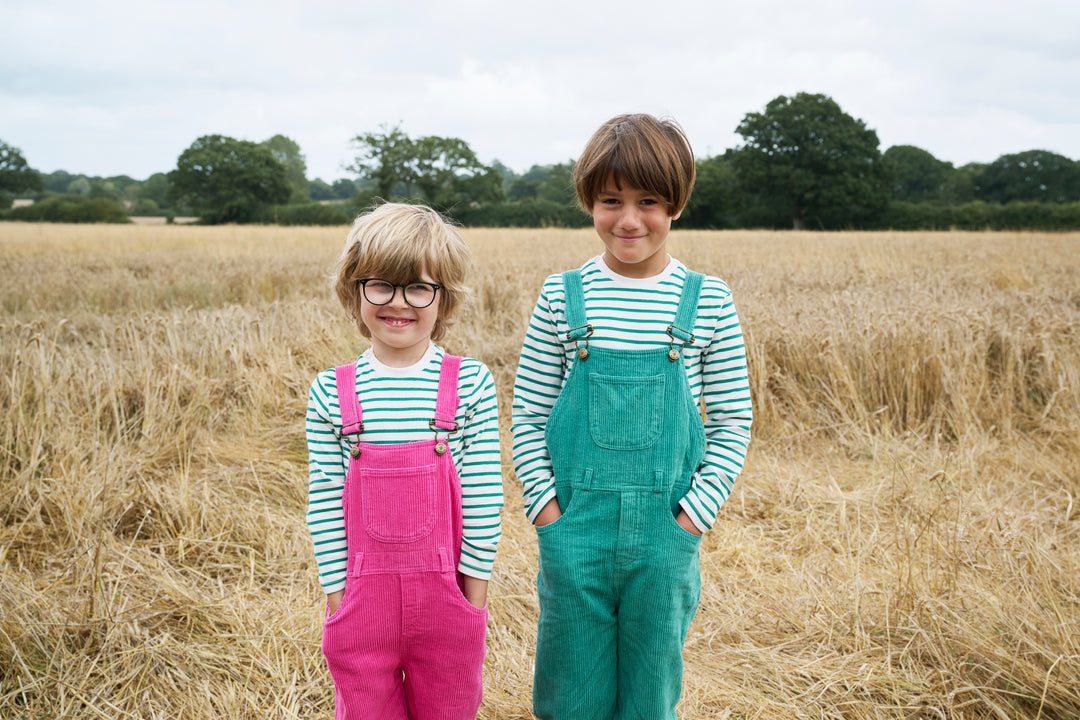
pixel 625 413
pixel 398 503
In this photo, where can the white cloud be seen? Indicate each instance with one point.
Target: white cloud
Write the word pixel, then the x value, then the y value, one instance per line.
pixel 124 86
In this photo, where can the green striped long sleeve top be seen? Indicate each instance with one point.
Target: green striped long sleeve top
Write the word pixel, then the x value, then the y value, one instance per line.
pixel 397 404
pixel 635 313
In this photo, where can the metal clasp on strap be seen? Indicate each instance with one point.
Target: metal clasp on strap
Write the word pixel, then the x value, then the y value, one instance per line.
pixel 436 425
pixel 350 429
pixel 678 334
pixel 449 427
pixel 585 331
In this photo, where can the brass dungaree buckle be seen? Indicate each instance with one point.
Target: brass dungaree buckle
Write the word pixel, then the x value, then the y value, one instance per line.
pixel 356 428
pixel 677 333
pixel 440 445
pixel 575 334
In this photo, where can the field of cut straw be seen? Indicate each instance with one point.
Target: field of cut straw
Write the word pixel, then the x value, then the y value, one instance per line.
pixel 904 541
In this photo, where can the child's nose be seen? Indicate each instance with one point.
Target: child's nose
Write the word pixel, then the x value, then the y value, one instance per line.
pixel 398 298
pixel 630 216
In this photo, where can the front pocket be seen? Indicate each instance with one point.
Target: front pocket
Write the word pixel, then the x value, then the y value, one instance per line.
pixel 625 413
pixel 399 503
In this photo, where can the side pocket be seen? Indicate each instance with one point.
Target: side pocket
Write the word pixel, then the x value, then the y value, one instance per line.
pixel 561 520
pixel 453 583
pixel 685 538
pixel 625 413
pixel 346 601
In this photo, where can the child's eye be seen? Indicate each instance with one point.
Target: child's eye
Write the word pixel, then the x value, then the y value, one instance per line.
pixel 649 201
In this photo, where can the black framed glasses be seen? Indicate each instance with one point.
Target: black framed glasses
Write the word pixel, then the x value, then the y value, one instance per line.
pixel 418 294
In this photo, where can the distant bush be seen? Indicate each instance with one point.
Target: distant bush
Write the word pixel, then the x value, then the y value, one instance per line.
pixel 71 209
pixel 979 215
pixel 523 213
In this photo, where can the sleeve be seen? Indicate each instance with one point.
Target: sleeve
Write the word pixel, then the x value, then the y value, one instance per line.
pixel 540 377
pixel 326 482
pixel 480 470
pixel 728 416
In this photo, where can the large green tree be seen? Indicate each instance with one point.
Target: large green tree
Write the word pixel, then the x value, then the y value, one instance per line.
pixel 507 174
pixel 717 201
pixel 318 189
pixel 57 181
pixel 917 176
pixel 156 188
pixel 345 189
pixel 287 152
pixel 15 175
pixel 223 179
pixel 79 185
pixel 441 171
pixel 817 165
pixel 558 184
pixel 1032 175
pixel 447 173
pixel 552 183
pixel 523 188
pixel 387 160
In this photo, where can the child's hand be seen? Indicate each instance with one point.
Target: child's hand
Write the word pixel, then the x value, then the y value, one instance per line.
pixel 684 521
pixel 475 591
pixel 333 601
pixel 549 514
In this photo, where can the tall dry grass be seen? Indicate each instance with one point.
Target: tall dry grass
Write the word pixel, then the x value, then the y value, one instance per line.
pixel 903 542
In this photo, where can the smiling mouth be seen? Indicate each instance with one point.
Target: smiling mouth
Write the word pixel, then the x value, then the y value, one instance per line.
pixel 397 322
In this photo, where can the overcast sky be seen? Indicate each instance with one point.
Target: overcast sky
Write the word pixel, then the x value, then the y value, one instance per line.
pixel 123 87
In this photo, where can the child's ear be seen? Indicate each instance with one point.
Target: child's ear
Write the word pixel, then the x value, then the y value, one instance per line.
pixel 676 215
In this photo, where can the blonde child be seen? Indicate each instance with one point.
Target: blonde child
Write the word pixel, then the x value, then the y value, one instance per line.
pixel 620 474
pixel 405 480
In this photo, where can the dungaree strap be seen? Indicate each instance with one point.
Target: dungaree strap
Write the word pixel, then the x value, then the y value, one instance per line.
pixel 686 315
pixel 352 415
pixel 446 404
pixel 574 297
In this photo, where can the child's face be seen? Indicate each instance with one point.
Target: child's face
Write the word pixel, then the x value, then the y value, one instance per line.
pixel 634 226
pixel 400 332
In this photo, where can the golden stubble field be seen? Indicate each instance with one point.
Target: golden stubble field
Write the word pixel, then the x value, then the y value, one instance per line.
pixel 904 541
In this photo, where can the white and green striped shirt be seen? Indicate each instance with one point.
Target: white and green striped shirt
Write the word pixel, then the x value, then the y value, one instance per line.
pixel 397 404
pixel 635 313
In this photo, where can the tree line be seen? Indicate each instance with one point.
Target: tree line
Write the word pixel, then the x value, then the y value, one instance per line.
pixel 803 163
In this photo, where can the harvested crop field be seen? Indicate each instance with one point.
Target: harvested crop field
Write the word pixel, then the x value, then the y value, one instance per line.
pixel 903 543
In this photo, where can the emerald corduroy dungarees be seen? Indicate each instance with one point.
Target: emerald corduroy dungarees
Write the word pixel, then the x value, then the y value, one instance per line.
pixel 619 579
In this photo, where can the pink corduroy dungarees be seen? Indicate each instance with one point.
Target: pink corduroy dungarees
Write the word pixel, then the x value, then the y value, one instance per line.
pixel 405 642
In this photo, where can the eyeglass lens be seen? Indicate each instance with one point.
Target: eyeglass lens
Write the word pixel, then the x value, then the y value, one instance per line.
pixel 380 292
